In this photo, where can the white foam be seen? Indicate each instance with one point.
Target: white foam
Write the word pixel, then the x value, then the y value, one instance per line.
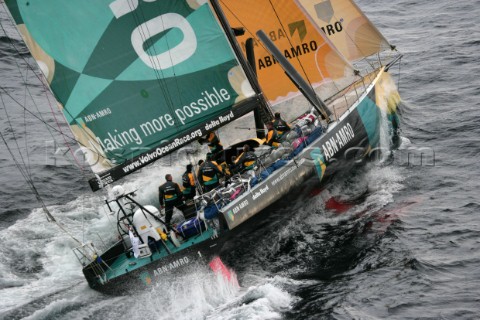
pixel 264 300
pixel 189 296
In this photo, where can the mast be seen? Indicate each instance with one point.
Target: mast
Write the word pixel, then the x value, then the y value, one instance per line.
pixel 296 78
pixel 244 63
pixel 256 113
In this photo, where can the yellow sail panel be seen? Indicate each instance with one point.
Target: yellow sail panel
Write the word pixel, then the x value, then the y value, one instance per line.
pixel 292 32
pixel 346 26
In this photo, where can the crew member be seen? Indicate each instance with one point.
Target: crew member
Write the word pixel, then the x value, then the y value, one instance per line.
pixel 272 136
pixel 199 165
pixel 170 196
pixel 247 160
pixel 209 174
pixel 280 125
pixel 233 165
pixel 214 144
pixel 188 181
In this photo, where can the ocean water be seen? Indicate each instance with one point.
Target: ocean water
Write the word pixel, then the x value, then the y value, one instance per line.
pixel 402 244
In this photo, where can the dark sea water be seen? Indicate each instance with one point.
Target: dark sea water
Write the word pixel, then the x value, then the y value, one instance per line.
pixel 405 246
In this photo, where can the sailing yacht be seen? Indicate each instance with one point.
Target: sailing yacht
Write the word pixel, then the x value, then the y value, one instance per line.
pixel 138 80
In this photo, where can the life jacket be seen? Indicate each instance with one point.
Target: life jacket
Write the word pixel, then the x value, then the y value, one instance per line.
pixel 209 173
pixel 247 160
pixel 169 190
pixel 272 138
pixel 214 143
pixel 281 126
pixel 223 167
pixel 188 182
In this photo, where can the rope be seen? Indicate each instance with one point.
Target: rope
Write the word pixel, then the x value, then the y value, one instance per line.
pixel 66 111
pixel 300 63
pixel 28 179
pixel 49 127
pixel 146 36
pixel 24 165
pixel 399 73
pixel 65 140
pixel 46 88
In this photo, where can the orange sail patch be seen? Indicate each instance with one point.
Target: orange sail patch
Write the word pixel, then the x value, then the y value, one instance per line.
pixel 292 32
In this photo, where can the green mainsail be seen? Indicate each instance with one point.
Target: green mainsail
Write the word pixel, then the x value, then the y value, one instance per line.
pixel 135 79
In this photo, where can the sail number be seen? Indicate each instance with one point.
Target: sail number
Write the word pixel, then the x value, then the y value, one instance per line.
pixel 151 28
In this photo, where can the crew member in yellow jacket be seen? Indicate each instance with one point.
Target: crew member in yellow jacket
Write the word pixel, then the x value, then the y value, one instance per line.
pixel 272 136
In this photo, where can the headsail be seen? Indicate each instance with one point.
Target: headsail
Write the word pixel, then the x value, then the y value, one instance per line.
pixel 135 79
pixel 346 26
pixel 301 42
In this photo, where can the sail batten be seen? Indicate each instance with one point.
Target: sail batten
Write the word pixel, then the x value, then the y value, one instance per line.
pixel 135 76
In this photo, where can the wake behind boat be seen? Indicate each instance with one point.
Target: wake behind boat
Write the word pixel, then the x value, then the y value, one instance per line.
pixel 182 73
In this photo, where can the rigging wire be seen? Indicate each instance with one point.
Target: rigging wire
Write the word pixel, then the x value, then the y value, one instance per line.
pixel 147 38
pixel 297 58
pixel 46 89
pixel 26 174
pixel 367 61
pixel 41 78
pixel 29 67
pixel 25 124
pixel 399 73
pixel 23 165
pixel 263 46
pixel 28 178
pixel 13 133
pixel 40 118
pixel 358 47
pixel 175 78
